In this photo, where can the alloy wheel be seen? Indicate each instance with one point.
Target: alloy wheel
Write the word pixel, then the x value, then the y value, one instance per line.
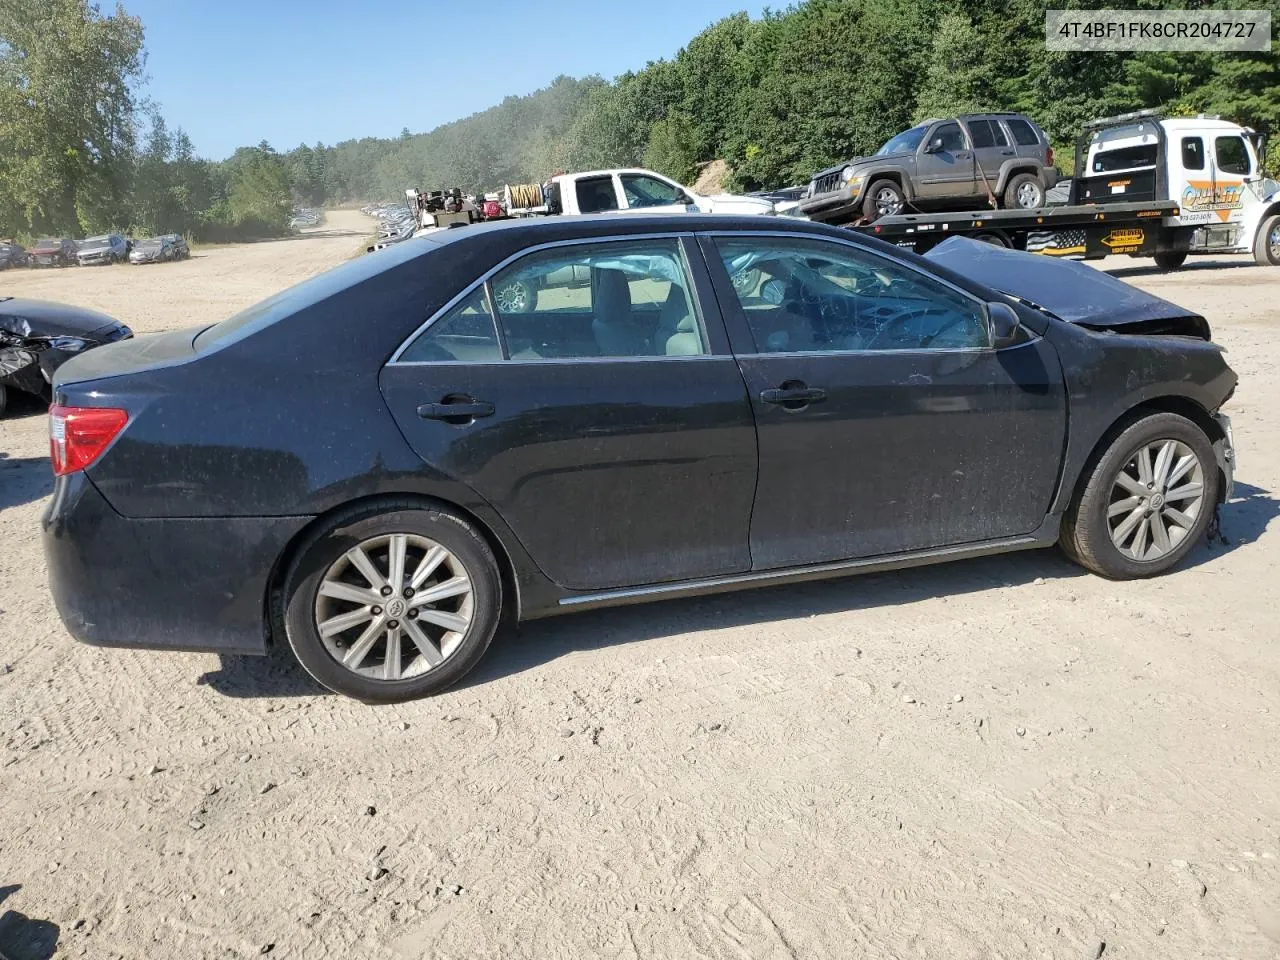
pixel 394 606
pixel 1155 500
pixel 1273 243
pixel 512 298
pixel 888 203
pixel 1028 196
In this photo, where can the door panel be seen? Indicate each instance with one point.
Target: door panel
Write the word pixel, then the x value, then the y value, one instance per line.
pixel 990 150
pixel 908 450
pixel 611 473
pixel 885 422
pixel 948 172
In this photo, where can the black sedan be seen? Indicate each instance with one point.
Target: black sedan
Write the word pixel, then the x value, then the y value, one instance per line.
pixel 378 465
pixel 37 337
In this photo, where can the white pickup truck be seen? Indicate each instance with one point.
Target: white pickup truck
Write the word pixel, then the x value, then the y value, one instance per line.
pixel 622 191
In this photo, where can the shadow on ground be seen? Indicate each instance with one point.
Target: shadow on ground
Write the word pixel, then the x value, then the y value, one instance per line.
pixel 22 938
pixel 24 480
pixel 1191 266
pixel 515 650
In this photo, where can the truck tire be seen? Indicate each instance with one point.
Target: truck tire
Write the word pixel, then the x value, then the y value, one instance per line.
pixel 884 198
pixel 1024 191
pixel 1170 260
pixel 1266 245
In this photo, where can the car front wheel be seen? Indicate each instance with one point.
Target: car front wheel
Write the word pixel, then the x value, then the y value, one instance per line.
pixel 1147 500
pixel 884 199
pixel 392 605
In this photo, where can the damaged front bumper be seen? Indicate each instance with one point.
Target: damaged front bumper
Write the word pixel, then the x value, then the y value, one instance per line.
pixel 1225 451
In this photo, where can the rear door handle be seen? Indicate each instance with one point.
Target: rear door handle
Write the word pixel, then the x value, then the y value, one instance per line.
pixel 795 396
pixel 456 411
pixel 1006 153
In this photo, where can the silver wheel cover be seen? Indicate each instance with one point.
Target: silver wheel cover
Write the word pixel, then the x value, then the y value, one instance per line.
pixel 394 607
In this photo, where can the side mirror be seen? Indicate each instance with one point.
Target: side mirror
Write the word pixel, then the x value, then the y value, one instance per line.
pixel 1003 323
pixel 935 146
pixel 685 197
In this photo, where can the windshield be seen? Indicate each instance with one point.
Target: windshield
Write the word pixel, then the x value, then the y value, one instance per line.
pixel 905 142
pixel 48 242
pixel 147 245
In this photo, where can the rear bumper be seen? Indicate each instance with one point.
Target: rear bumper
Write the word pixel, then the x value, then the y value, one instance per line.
pixel 164 584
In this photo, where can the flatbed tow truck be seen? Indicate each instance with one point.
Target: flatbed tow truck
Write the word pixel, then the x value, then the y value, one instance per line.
pixel 1145 186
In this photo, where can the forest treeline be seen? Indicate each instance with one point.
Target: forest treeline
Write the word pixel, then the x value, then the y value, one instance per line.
pixel 777 97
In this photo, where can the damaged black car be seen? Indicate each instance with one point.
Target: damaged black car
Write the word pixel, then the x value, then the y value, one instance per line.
pixel 37 337
pixel 686 405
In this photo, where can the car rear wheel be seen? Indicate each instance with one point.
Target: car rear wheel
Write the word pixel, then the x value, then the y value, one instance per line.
pixel 4 399
pixel 1024 192
pixel 392 605
pixel 1147 501
pixel 884 199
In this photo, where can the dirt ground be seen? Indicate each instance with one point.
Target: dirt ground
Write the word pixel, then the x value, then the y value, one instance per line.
pixel 995 758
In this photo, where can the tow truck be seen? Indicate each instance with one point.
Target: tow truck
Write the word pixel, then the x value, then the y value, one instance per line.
pixel 1146 185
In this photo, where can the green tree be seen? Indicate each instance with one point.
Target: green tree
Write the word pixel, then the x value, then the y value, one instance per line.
pixel 68 76
pixel 958 76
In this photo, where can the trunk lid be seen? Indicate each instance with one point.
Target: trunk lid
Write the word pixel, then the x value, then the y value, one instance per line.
pixel 127 357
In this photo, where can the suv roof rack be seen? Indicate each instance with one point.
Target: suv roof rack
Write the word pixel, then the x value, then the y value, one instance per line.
pixel 1151 113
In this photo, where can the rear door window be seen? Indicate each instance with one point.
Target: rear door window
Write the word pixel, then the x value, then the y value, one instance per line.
pixel 596 194
pixel 1232 155
pixel 629 298
pixel 986 133
pixel 466 332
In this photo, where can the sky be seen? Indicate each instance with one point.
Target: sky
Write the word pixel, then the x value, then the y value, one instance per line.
pixel 236 72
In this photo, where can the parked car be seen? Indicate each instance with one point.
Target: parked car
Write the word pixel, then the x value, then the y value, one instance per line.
pixel 12 255
pixel 37 337
pixel 399 484
pixel 170 246
pixel 104 250
pixel 53 252
pixel 968 160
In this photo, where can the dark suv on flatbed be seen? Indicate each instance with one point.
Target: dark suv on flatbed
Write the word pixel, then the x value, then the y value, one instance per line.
pixel 968 160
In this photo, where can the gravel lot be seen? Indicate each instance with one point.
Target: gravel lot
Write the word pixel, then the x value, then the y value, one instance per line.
pixel 996 758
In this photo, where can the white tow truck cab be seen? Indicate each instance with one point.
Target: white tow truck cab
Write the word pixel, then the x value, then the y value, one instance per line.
pixel 621 191
pixel 1212 169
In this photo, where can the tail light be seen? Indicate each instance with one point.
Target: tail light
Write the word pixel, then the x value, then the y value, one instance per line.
pixel 78 435
pixel 1048 157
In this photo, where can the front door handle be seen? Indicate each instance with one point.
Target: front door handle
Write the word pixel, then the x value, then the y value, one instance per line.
pixel 1006 153
pixel 793 395
pixel 456 410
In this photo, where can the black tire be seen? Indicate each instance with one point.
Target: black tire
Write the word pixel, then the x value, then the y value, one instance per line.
pixel 1021 183
pixel 1086 535
pixel 326 545
pixel 4 399
pixel 994 239
pixel 880 197
pixel 1170 260
pixel 1265 252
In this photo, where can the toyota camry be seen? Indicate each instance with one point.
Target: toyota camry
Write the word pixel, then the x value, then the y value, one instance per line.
pixel 381 464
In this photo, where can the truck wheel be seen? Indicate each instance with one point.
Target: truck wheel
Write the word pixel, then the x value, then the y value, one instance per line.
pixel 1147 500
pixel 884 199
pixel 1266 246
pixel 1170 260
pixel 995 239
pixel 1024 192
pixel 518 296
